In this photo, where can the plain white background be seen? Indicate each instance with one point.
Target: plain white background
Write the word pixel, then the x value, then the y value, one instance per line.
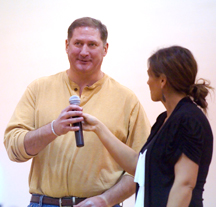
pixel 32 44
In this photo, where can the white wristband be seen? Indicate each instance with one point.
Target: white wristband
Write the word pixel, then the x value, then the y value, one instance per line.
pixel 53 131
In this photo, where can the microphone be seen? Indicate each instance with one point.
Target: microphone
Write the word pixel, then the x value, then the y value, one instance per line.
pixel 75 100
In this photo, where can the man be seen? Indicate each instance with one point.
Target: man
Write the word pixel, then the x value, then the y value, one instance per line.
pixel 41 127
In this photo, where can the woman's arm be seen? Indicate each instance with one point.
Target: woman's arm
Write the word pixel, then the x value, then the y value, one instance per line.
pixel 186 172
pixel 122 154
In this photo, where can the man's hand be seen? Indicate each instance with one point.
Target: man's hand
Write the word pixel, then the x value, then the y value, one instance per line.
pixel 96 201
pixel 64 123
pixel 38 139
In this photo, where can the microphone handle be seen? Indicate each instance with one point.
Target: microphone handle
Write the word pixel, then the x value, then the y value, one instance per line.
pixel 79 135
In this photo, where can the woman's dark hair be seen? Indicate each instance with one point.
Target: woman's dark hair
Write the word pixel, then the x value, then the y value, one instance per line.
pixel 89 22
pixel 180 68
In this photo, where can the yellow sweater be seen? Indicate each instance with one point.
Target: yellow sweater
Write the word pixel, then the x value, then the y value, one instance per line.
pixel 62 169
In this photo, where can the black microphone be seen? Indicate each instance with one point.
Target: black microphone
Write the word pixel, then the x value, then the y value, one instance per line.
pixel 75 100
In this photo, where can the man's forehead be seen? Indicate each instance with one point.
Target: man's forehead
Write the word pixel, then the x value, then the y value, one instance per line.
pixel 86 33
pixel 86 29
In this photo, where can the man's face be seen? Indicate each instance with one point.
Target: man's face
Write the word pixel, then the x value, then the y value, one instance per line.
pixel 86 50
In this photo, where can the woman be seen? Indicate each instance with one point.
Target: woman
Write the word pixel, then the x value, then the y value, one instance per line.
pixel 172 166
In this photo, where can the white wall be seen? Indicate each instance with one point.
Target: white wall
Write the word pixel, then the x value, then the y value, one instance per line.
pixel 32 35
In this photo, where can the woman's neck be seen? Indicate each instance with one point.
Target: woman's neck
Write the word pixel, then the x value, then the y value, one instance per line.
pixel 171 102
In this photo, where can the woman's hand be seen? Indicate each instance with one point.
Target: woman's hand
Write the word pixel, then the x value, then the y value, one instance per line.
pixel 90 123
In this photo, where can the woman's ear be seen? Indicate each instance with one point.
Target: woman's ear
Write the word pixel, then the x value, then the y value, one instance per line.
pixel 163 80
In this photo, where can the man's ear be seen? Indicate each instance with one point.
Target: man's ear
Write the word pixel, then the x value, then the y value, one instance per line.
pixel 66 45
pixel 105 49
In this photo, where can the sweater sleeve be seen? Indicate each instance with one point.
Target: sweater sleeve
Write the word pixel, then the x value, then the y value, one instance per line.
pixel 139 128
pixel 21 122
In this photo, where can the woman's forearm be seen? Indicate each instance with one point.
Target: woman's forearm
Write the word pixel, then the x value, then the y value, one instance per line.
pixel 123 155
pixel 180 196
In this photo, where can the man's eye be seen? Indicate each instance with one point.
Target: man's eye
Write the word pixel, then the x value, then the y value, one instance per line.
pixel 77 43
pixel 92 44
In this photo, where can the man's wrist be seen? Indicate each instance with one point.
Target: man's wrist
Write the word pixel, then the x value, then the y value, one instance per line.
pixel 52 128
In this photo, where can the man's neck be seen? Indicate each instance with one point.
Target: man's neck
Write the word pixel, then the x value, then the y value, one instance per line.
pixel 83 80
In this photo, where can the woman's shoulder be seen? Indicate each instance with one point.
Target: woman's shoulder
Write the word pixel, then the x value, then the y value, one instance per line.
pixel 187 112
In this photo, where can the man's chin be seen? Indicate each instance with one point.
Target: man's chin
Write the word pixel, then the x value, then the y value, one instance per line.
pixel 84 68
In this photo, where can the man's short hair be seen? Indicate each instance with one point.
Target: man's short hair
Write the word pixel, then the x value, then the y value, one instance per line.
pixel 89 22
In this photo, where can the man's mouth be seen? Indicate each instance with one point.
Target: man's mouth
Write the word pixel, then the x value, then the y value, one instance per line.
pixel 84 61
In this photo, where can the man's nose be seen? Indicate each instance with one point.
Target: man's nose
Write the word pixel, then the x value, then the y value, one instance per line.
pixel 84 50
